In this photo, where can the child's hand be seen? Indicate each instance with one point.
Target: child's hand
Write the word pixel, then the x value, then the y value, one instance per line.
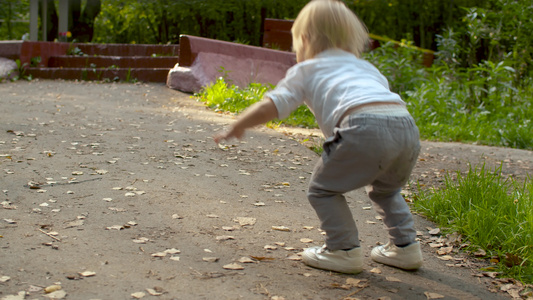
pixel 259 113
pixel 227 135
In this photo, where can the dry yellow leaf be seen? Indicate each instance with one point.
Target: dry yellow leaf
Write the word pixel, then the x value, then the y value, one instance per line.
pixel 52 288
pixel 430 295
pixel 138 295
pixel 281 228
pixel 233 266
pixel 87 273
pixel 392 279
pixel 246 260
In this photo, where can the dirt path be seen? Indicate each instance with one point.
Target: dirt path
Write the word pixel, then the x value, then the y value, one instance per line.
pixel 115 191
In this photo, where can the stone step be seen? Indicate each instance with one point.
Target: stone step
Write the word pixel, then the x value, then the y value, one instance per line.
pixel 69 61
pixel 112 74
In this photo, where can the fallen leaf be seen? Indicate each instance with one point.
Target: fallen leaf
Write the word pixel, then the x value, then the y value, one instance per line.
pixel 392 279
pixel 490 274
pixel 117 209
pixel 60 294
pixel 355 282
pixel 434 231
pixel 281 228
pixel 212 216
pixel 52 288
pixel 4 278
pixel 138 295
pixel 445 250
pixel 172 251
pixel 270 247
pixel 115 227
pixel 210 259
pixel 512 260
pixel 159 254
pixel 261 258
pixel 243 221
pixel 87 273
pixel 141 240
pixel 153 292
pixel 430 295
pixel 445 257
pixel 294 257
pixel 375 271
pixel 175 258
pixel 246 260
pixel 233 266
pixel 75 224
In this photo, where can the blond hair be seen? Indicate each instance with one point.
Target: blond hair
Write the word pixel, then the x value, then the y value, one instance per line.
pixel 327 24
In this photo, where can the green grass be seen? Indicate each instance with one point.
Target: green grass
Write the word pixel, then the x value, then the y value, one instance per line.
pixel 491 212
pixel 223 97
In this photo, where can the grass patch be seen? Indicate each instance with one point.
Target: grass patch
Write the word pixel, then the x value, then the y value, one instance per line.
pixel 224 97
pixel 492 212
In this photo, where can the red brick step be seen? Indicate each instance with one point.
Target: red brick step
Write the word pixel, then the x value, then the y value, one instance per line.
pixel 67 61
pixel 122 74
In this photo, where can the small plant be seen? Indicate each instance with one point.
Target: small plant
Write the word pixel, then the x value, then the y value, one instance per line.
pixel 75 51
pixel 35 61
pixel 129 78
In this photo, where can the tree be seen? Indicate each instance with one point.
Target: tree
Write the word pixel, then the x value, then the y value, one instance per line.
pixel 81 19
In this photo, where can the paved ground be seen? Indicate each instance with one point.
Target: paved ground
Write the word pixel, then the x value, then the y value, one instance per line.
pixel 115 191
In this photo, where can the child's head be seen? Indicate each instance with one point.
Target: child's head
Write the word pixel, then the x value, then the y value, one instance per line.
pixel 327 24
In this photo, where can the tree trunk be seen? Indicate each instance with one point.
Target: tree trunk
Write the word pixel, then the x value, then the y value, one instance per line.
pixel 83 21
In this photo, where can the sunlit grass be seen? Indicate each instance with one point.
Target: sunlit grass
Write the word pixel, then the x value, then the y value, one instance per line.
pixel 225 97
pixel 492 212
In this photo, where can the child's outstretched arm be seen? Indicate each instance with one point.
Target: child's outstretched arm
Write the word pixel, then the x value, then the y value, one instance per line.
pixel 259 113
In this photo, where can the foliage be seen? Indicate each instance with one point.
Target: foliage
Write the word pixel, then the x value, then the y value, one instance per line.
pixel 163 21
pixel 492 212
pixel 223 97
pixel 14 19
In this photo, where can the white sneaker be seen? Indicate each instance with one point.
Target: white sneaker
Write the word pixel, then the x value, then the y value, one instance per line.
pixel 407 258
pixel 350 261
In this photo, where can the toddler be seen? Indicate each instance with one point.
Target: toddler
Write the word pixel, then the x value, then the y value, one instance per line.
pixel 371 139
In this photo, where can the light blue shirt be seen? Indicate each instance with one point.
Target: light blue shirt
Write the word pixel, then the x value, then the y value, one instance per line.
pixel 331 83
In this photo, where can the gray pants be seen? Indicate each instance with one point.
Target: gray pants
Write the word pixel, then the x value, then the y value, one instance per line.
pixel 376 151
